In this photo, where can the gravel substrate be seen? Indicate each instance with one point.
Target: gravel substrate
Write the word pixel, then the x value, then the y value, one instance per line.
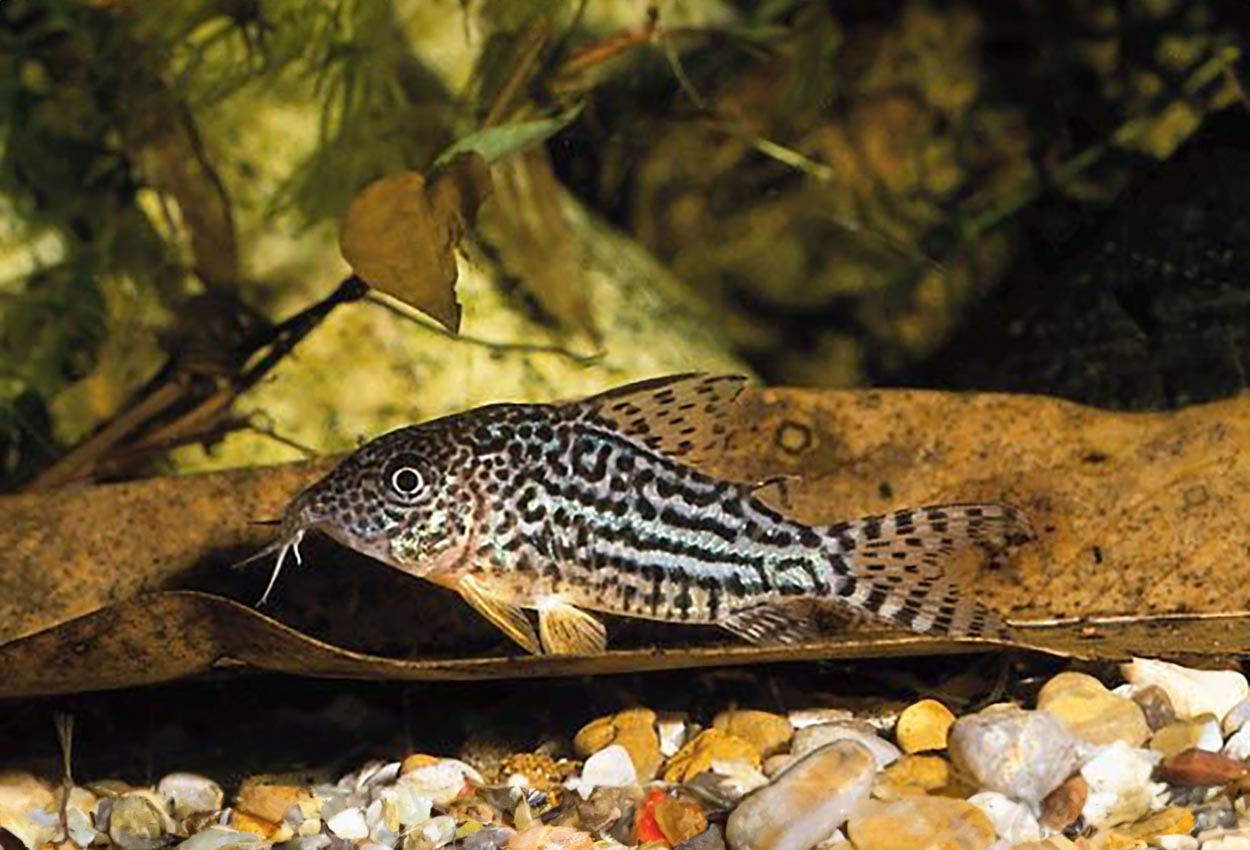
pixel 1160 761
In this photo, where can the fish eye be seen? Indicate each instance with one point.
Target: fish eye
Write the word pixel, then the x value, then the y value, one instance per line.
pixel 403 476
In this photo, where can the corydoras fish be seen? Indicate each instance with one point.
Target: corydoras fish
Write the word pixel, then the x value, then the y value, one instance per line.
pixel 595 506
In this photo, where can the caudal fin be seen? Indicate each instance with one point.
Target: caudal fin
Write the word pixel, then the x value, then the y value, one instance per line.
pixel 894 564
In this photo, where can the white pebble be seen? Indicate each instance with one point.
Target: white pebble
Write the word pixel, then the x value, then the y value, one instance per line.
pixel 1013 822
pixel 439 831
pixel 804 717
pixel 611 767
pixel 1192 692
pixel 220 837
pixel 1120 789
pixel 1236 717
pixel 1022 754
pixel 349 824
pixel 1238 746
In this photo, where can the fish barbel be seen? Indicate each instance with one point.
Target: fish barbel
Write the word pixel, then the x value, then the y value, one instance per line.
pixel 596 506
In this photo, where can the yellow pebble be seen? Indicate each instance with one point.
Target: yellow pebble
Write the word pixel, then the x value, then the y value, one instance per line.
pixel 711 745
pixel 924 726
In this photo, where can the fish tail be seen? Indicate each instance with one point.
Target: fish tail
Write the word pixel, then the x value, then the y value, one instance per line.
pixel 892 565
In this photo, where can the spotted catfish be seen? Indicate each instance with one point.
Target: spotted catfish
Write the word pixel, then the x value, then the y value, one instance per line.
pixel 598 506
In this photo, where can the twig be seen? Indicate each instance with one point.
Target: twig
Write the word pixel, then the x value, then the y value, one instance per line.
pixel 399 308
pixel 522 71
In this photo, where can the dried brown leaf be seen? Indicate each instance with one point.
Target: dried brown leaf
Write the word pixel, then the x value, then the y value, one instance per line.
pixel 1157 498
pixel 400 233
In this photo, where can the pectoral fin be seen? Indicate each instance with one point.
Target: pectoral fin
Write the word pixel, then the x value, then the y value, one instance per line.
pixel 567 630
pixel 505 616
pixel 773 623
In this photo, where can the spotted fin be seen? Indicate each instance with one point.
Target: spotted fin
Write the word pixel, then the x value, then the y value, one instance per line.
pixel 893 565
pixel 568 630
pixel 771 623
pixel 504 616
pixel 684 416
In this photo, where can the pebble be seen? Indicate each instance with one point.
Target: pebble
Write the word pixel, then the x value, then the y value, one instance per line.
pixel 1192 692
pixel 1174 820
pixel 220 838
pixel 709 747
pixel 813 737
pixel 709 839
pixel 1201 732
pixel 634 729
pixel 1200 767
pixel 542 837
pixel 1120 790
pixel 806 802
pixel 1012 821
pixel 1236 717
pixel 268 800
pixel 804 717
pixel 770 733
pixel 923 726
pixel 1063 806
pixel 1238 746
pixel 137 821
pixel 189 794
pixel 1091 712
pixel 916 776
pixel 1155 705
pixel 80 806
pixel 441 781
pixel 920 822
pixel 674 729
pixel 610 767
pixel 679 818
pixel 20 796
pixel 348 824
pixel 1022 754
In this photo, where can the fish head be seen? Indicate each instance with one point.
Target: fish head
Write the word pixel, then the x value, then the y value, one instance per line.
pixel 399 499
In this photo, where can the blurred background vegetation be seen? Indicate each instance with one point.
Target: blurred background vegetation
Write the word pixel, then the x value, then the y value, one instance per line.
pixel 1036 196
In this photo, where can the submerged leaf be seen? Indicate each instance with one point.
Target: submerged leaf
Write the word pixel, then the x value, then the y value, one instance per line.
pixel 495 143
pixel 400 233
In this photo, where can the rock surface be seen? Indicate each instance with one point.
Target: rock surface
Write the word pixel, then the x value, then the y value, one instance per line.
pixel 1022 754
pixel 806 802
pixel 1091 712
pixel 923 726
pixel 920 822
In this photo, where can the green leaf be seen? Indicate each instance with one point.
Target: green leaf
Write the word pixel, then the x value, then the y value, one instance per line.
pixel 496 143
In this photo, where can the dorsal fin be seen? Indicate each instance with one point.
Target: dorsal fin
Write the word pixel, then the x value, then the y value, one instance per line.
pixel 685 416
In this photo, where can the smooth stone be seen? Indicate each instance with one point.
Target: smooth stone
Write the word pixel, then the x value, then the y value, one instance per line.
pixel 1201 733
pixel 1012 821
pixel 806 802
pixel 611 767
pixel 1174 820
pixel 1238 746
pixel 709 839
pixel 916 776
pixel 190 794
pixel 1062 807
pixel 634 729
pixel 21 796
pixel 923 726
pixel 138 821
pixel 803 717
pixel 1192 692
pixel 680 819
pixel 1091 712
pixel 1236 717
pixel 1198 768
pixel 1022 754
pixel 920 822
pixel 1120 790
pixel 768 732
pixel 1156 705
pixel 813 737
